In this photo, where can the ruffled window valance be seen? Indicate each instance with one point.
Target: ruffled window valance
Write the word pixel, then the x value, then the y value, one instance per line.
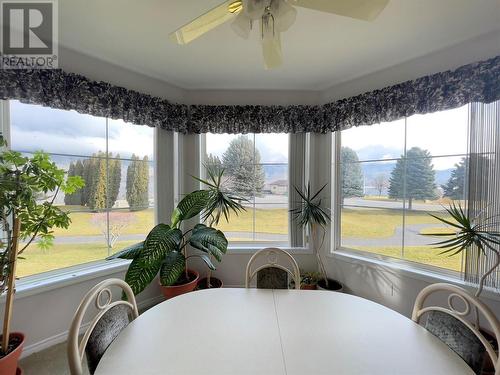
pixel 477 82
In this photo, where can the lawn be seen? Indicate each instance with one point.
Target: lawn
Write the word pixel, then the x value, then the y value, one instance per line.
pixel 356 223
pixel 82 223
pixel 420 254
pixel 379 223
pixel 62 255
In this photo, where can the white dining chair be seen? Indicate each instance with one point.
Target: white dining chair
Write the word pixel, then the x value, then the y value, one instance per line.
pixel 265 263
pixel 111 318
pixel 452 326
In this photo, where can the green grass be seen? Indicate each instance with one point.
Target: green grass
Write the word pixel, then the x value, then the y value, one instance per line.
pixel 378 223
pixel 357 223
pixel 439 230
pixel 82 224
pixel 63 255
pixel 420 254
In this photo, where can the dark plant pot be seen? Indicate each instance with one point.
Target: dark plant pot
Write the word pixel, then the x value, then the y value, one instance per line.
pixel 333 285
pixel 214 283
pixel 177 290
pixel 8 364
pixel 308 287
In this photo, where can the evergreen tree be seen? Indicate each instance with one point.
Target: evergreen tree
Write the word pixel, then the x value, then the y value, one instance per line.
pixel 130 187
pixel 69 199
pixel 352 175
pixel 115 178
pixel 97 198
pixel 242 164
pixel 77 196
pixel 88 176
pixel 413 177
pixel 137 184
pixel 455 187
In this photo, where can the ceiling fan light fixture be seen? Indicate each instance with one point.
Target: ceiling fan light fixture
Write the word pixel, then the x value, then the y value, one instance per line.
pixel 235 7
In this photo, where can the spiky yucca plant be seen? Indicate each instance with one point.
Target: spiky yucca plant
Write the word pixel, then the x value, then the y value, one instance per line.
pixel 310 213
pixel 469 232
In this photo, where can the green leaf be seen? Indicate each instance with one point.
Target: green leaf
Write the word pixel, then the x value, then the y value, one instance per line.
pixel 172 268
pixel 161 240
pixel 209 240
pixel 129 252
pixel 140 275
pixel 192 204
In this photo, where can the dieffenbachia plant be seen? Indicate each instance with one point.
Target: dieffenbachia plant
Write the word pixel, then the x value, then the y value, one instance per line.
pixel 164 250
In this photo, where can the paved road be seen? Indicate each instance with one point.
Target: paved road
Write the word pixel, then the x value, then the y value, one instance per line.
pixel 357 202
pixel 412 237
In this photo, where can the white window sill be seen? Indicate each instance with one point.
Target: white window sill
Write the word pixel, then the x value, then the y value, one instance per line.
pixel 31 285
pixel 416 273
pixel 252 248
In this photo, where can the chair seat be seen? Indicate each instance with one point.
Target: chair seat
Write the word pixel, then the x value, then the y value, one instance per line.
pixel 106 330
pixel 458 337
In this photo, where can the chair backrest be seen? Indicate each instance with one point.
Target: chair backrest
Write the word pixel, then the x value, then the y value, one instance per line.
pixel 110 319
pixel 451 325
pixel 268 259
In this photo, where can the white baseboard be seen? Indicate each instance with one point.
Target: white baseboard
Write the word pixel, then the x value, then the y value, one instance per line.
pixel 62 337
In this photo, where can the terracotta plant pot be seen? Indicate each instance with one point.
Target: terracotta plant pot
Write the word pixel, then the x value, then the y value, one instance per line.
pixel 333 285
pixel 308 287
pixel 177 290
pixel 214 283
pixel 8 364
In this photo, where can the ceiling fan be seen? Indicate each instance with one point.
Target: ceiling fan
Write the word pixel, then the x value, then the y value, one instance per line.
pixel 274 17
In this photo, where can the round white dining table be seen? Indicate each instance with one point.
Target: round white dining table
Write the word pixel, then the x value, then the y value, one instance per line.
pixel 252 331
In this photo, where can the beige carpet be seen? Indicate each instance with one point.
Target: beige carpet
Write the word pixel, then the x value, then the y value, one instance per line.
pixel 51 361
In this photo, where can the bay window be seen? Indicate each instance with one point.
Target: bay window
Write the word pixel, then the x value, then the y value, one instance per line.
pixel 115 159
pixel 391 176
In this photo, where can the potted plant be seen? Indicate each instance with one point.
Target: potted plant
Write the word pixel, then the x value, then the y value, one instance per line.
pixel 165 249
pixel 310 214
pixel 478 231
pixel 220 204
pixel 28 189
pixel 309 280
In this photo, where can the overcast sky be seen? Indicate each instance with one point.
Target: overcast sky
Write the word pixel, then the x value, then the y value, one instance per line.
pixel 68 132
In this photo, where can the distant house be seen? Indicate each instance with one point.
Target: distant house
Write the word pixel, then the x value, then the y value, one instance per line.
pixel 279 187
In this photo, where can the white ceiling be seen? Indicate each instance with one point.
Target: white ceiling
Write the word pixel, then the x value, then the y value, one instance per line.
pixel 320 50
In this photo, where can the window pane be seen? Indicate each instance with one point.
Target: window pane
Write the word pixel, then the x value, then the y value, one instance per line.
pixel 371 229
pixel 256 168
pixel 385 204
pixel 131 183
pixel 126 139
pixel 376 142
pixel 127 227
pixel 35 128
pixel 439 133
pixel 271 223
pixel 273 147
pixel 240 228
pixel 77 144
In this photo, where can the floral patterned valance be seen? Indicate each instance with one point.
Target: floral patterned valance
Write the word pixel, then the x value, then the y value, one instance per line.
pixel 477 82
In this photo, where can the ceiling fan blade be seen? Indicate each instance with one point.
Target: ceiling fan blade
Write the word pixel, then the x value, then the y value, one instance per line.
pixel 206 22
pixel 366 10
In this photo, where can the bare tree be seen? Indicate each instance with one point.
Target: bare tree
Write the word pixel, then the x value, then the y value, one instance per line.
pixel 381 183
pixel 118 221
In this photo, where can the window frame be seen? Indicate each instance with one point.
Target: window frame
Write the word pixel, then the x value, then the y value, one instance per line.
pixel 298 173
pixel 93 268
pixel 335 234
